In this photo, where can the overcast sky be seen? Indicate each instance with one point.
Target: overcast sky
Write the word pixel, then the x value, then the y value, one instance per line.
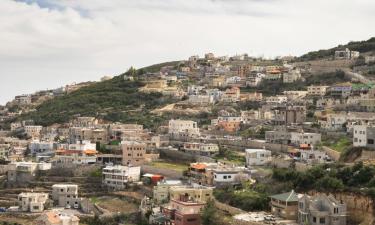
pixel 49 43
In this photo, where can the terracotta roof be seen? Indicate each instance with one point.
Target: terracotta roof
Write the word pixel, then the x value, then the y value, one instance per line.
pixel 199 166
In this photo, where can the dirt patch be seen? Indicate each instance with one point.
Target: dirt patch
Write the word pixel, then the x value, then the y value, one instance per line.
pixel 117 205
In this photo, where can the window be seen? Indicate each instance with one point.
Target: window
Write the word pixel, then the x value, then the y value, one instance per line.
pixel 192 219
pixel 225 177
pixel 370 141
pixel 336 210
pixel 322 220
pixel 314 219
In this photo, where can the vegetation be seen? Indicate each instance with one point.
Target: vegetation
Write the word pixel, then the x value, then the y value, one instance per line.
pixel 341 144
pixel 112 100
pixel 229 155
pixel 330 178
pixel 171 166
pixel 246 199
pixel 361 46
pixel 210 215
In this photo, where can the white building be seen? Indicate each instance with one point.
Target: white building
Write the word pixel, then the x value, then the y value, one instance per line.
pixel 313 156
pixel 346 54
pixel 278 99
pixel 118 177
pixel 183 128
pixel 229 176
pixel 82 145
pixel 205 149
pixel 298 138
pixel 257 157
pixel 32 202
pixel 248 116
pixel 66 195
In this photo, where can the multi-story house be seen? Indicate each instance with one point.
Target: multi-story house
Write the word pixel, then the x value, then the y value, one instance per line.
pixel 183 129
pixel 20 173
pixel 118 177
pixel 84 122
pixel 342 90
pixel 288 115
pixel 183 211
pixel 249 116
pixel 299 138
pixel 161 190
pixel 205 149
pixel 364 136
pixel 195 192
pixel 317 90
pixel 285 205
pixel 278 99
pixel 292 76
pixel 257 157
pixel 231 95
pixel 254 80
pixel 66 195
pixel 346 54
pixel 321 209
pixel 227 123
pixel 69 157
pixel 41 147
pixel 133 153
pixel 23 99
pixel 33 131
pixel 32 202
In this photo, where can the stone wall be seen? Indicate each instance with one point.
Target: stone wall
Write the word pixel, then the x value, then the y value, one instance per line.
pixel 183 156
pixel 334 155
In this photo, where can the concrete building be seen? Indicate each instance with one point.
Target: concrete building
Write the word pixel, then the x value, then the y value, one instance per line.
pixel 118 177
pixel 299 138
pixel 33 131
pixel 161 190
pixel 41 147
pixel 196 193
pixel 342 90
pixel 317 90
pixel 66 194
pixel 224 176
pixel 183 129
pixel 278 99
pixel 364 136
pixel 292 76
pixel 23 99
pixel 249 116
pixel 257 157
pixel 205 149
pixel 32 202
pixel 20 173
pixel 289 115
pixel 78 157
pixel 285 205
pixel 321 209
pixel 183 211
pixel 231 95
pixel 56 218
pixel 84 122
pixel 346 54
pixel 133 153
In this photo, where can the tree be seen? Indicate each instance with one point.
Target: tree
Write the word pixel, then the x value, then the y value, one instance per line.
pixel 208 214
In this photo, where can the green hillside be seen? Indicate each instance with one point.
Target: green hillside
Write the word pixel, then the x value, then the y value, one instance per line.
pixel 112 100
pixel 361 46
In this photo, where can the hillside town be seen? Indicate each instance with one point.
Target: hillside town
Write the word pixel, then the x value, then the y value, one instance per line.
pixel 234 140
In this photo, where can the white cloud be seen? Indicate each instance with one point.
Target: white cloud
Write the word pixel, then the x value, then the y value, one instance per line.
pixel 47 43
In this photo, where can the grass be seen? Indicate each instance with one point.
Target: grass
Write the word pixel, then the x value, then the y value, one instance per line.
pixel 230 156
pixel 117 205
pixel 339 145
pixel 169 165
